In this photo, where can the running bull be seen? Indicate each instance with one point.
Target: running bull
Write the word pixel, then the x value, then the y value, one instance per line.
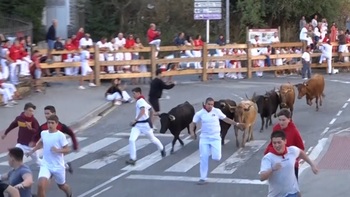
pixel 224 106
pixel 313 88
pixel 176 120
pixel 287 95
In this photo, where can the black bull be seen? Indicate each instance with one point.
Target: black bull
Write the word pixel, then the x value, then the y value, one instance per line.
pixel 267 105
pixel 176 120
pixel 225 106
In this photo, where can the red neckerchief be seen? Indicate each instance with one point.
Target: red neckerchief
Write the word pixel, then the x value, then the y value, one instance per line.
pixel 140 97
pixel 273 151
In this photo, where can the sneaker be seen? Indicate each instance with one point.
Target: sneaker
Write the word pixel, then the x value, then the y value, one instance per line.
pixel 81 88
pixel 130 162
pixel 13 102
pixel 69 167
pixel 92 85
pixel 8 105
pixel 163 153
pixel 117 103
pixel 201 182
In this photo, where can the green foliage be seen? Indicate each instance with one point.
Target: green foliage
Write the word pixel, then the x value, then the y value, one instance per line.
pixel 30 10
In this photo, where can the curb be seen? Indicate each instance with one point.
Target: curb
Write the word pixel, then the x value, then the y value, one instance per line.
pixel 99 111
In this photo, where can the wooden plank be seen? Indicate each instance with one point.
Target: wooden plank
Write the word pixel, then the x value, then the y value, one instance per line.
pixel 228 46
pixel 125 75
pixel 124 62
pixel 226 70
pixel 182 72
pixel 64 64
pixel 179 60
pixel 62 78
pixel 273 68
pixel 178 48
pixel 227 57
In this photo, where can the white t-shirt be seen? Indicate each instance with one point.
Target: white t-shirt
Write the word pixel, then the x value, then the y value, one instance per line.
pixel 306 56
pixel 84 42
pixel 50 158
pixel 283 181
pixel 279 61
pixel 210 122
pixel 326 50
pixel 84 56
pixel 303 34
pixel 140 103
pixel 119 43
pixel 274 39
pixel 102 45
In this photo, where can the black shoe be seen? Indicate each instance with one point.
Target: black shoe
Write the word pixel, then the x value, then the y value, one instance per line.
pixel 163 153
pixel 130 162
pixel 70 168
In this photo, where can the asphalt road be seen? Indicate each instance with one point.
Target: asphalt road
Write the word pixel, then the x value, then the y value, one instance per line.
pixel 100 168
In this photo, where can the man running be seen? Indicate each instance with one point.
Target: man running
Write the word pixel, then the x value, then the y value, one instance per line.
pixel 210 139
pixel 141 124
pixel 55 145
pixel 155 93
pixel 49 111
pixel 28 128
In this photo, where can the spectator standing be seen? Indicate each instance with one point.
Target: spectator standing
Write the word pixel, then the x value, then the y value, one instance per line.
pixel 50 39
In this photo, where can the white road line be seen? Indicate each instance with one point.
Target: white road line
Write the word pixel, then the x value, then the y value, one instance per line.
pixel 100 192
pixel 103 184
pixel 348 99
pixel 314 154
pixel 187 163
pixel 153 158
pixel 345 105
pixel 332 121
pixel 99 163
pixel 259 83
pixel 238 158
pixel 339 112
pixel 325 131
pixel 343 130
pixel 125 134
pixel 195 179
pixel 236 95
pixel 39 152
pixel 90 148
pixel 309 150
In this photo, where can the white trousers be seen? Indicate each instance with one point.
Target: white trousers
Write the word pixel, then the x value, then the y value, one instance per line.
pixel 117 96
pixel 72 71
pixel 207 147
pixel 12 88
pixel 261 64
pixel 26 149
pixel 329 62
pixel 157 44
pixel 136 131
pixel 6 95
pixel 14 69
pixel 197 54
pixel 5 69
pixel 24 69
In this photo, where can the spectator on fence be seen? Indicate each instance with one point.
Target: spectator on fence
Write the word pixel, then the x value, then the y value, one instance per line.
pixel 136 55
pixel 116 93
pixel 85 67
pixel 153 36
pixel 256 52
pixel 326 49
pixel 129 44
pixel 104 48
pixel 26 60
pixel 69 57
pixel 197 52
pixel 50 38
pixel 111 56
pixel 5 60
pixel 76 38
pixel 35 70
pixel 58 46
pixel 7 97
pixel 342 48
pixel 275 38
pixel 278 62
pixel 179 41
pixel 119 44
pixel 15 57
pixel 235 64
pixel 86 41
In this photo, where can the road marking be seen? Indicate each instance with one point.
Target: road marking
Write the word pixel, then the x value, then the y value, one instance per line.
pixel 153 158
pixel 345 105
pixel 99 163
pixel 98 193
pixel 187 163
pixel 339 112
pixel 325 131
pixel 343 130
pixel 90 149
pixel 125 134
pixel 332 121
pixel 236 95
pixel 237 159
pixel 39 152
pixel 103 184
pixel 340 81
pixel 195 179
pixel 314 154
pixel 259 83
pixel 349 100
pixel 309 150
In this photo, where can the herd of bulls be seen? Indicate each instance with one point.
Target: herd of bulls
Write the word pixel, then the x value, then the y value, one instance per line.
pixel 246 111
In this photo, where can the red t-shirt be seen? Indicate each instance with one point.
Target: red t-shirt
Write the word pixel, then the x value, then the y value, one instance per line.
pixel 15 53
pixel 152 34
pixel 129 43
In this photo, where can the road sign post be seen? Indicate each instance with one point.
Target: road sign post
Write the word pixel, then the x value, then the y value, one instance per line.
pixel 207 10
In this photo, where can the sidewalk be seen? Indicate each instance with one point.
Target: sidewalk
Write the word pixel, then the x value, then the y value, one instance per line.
pixel 334 165
pixel 74 107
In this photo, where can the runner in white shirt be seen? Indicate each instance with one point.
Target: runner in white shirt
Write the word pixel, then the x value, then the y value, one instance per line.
pixel 326 49
pixel 278 167
pixel 142 124
pixel 55 145
pixel 210 139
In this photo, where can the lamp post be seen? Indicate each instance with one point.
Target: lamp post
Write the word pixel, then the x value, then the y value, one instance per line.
pixel 227 21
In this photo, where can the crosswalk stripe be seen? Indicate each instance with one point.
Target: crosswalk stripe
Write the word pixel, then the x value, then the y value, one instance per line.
pixel 187 163
pixel 153 158
pixel 90 148
pixel 238 158
pixel 39 152
pixel 122 134
pixel 99 163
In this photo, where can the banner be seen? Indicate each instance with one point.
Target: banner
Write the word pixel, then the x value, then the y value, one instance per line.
pixel 265 35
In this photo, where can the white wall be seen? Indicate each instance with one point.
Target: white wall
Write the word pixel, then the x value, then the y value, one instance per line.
pixel 57 9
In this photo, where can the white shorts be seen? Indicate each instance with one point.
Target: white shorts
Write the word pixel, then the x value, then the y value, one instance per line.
pixel 342 48
pixel 85 69
pixel 59 174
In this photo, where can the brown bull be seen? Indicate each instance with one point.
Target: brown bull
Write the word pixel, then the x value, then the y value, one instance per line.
pixel 287 97
pixel 245 113
pixel 312 88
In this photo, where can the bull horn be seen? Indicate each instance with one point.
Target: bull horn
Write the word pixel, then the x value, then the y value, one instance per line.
pixel 222 104
pixel 171 117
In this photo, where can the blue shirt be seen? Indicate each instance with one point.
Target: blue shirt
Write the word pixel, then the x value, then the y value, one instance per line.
pixel 15 178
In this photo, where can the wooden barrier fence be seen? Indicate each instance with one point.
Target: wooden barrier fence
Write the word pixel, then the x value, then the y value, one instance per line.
pixel 205 60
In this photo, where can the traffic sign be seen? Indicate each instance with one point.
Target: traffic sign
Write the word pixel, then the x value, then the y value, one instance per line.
pixel 207 10
pixel 216 4
pixel 207 16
